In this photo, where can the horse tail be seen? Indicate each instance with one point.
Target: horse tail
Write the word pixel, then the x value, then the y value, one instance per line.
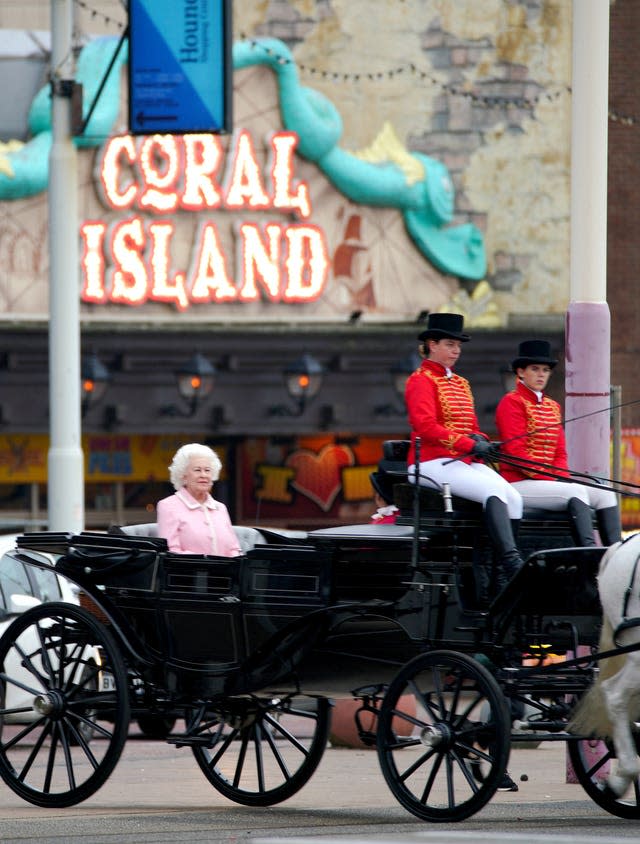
pixel 591 716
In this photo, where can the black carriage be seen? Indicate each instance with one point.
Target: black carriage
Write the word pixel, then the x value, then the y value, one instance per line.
pixel 240 658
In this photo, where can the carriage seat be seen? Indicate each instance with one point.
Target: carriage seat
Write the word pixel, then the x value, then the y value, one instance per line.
pixel 247 537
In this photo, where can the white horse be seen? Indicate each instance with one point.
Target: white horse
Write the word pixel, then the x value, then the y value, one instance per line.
pixel 613 703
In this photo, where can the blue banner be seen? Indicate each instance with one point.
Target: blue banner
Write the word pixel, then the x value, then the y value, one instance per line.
pixel 179 66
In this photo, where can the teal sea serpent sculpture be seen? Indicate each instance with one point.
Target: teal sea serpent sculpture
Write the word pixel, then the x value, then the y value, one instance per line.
pixel 383 175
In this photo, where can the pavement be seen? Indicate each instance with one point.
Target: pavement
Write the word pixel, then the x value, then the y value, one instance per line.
pixel 153 775
pixel 158 794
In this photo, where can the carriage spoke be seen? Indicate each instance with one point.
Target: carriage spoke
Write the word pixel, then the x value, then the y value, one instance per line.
pixel 276 753
pixel 431 779
pixel 13 681
pixel 241 758
pixel 285 733
pixel 451 797
pixel 34 753
pixel 257 744
pixel 419 762
pixel 67 758
pixel 27 663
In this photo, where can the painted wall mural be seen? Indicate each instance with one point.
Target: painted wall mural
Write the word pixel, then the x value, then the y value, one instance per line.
pixel 141 258
pixel 478 94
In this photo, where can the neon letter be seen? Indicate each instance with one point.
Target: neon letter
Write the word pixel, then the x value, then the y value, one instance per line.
pixel 283 145
pixel 118 149
pixel 208 277
pixel 203 154
pixel 259 260
pixel 129 284
pixel 244 187
pixel 156 152
pixel 307 263
pixel 92 262
pixel 163 289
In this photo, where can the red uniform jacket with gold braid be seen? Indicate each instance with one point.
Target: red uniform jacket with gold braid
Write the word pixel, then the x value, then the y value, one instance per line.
pixel 520 412
pixel 441 413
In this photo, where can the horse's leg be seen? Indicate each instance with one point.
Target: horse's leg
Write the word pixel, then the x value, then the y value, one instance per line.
pixel 618 691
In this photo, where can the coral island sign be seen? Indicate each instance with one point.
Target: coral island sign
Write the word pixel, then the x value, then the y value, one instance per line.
pixel 162 174
pixel 208 225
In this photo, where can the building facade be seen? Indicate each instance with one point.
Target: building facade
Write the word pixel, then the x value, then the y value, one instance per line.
pixel 381 166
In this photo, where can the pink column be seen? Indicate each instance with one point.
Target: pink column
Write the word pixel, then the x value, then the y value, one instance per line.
pixel 587 386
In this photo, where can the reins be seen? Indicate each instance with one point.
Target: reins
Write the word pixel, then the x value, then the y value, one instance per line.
pixel 582 478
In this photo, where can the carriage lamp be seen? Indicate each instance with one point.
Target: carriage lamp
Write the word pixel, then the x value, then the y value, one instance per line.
pixel 399 373
pixel 94 380
pixel 194 380
pixel 303 379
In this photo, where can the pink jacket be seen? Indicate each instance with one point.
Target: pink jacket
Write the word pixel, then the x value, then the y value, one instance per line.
pixel 194 528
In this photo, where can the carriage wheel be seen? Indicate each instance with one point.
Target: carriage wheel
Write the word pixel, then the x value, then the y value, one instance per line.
pixel 62 668
pixel 263 751
pixel 589 759
pixel 452 763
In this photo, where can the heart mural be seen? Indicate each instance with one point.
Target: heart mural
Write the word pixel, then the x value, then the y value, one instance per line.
pixel 318 475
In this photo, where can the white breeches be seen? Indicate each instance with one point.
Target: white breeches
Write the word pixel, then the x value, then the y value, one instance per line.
pixel 474 481
pixel 554 495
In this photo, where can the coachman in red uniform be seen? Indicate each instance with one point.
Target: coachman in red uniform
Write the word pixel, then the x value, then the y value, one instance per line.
pixel 530 427
pixel 441 412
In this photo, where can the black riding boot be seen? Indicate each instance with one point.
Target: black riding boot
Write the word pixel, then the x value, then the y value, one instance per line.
pixel 609 525
pixel 581 522
pixel 515 527
pixel 501 535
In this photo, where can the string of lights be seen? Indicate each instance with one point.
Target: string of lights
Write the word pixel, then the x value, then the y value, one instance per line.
pixel 485 100
pixel 624 119
pixel 489 101
pixel 96 14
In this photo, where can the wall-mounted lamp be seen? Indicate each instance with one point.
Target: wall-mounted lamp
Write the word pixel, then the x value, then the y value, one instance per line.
pixel 94 380
pixel 303 379
pixel 194 381
pixel 399 373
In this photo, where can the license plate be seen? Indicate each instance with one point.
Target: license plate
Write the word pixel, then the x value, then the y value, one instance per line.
pixel 108 683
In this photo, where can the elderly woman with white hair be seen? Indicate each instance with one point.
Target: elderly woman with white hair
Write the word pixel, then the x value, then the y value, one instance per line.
pixel 191 520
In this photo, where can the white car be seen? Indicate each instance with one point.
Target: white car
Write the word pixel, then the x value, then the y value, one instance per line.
pixel 21 587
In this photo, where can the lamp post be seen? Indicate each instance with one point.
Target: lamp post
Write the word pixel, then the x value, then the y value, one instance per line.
pixel 65 458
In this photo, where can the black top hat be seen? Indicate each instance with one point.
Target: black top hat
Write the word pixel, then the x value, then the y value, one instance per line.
pixel 533 351
pixel 444 325
pixel 383 485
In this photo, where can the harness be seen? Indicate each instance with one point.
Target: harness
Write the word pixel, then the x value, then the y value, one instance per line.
pixel 627 623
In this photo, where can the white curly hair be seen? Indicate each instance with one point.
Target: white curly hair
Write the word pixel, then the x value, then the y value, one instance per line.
pixel 183 455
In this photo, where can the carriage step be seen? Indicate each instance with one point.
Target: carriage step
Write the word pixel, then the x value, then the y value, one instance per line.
pixel 185 740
